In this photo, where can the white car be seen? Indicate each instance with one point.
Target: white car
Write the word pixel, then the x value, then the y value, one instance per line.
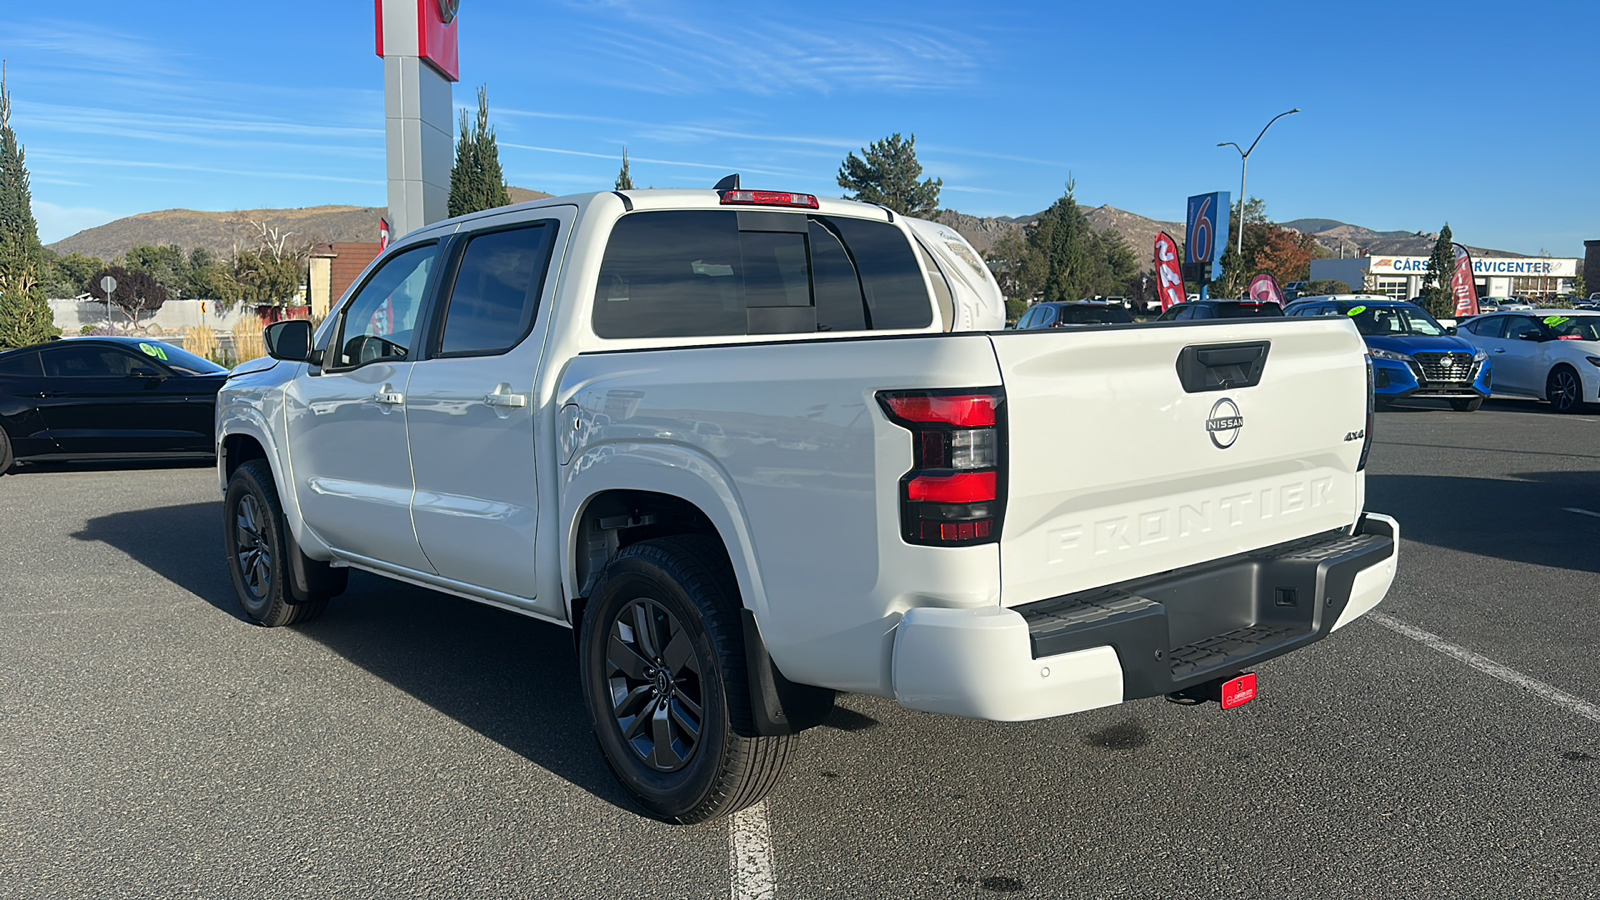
pixel 1553 354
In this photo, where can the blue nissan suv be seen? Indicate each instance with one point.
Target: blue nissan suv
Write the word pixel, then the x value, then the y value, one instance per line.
pixel 1413 356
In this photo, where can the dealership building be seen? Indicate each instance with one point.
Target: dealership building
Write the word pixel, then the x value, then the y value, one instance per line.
pixel 1497 276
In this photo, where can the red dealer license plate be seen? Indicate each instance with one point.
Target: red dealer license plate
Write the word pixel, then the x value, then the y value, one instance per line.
pixel 1238 691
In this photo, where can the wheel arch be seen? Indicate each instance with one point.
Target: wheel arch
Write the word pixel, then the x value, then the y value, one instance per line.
pixel 242 435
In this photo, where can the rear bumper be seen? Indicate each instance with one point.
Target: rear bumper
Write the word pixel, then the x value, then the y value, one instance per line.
pixel 1142 638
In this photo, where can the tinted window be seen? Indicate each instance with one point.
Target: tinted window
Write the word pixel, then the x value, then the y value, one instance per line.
pixel 897 297
pixel 1095 315
pixel 694 273
pixel 1247 310
pixel 90 361
pixel 24 364
pixel 1517 326
pixel 496 290
pixel 183 361
pixel 1489 326
pixel 840 306
pixel 379 321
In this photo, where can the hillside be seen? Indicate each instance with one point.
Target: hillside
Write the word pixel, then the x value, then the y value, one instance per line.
pixel 222 232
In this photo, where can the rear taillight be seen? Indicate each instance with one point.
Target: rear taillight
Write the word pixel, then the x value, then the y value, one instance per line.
pixel 954 494
pixel 1366 439
pixel 769 198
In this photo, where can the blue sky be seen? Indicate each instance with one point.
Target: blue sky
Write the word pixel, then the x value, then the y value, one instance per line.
pixel 1414 113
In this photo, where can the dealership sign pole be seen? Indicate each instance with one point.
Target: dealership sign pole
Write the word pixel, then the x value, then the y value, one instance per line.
pixel 421 60
pixel 1462 287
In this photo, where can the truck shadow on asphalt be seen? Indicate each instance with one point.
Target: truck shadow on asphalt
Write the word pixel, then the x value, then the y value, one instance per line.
pixel 1521 518
pixel 509 678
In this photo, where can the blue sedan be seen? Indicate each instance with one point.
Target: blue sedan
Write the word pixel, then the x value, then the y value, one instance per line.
pixel 1413 356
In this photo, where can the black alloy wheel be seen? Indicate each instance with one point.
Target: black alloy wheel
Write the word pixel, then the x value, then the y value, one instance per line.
pixel 662 665
pixel 653 672
pixel 1564 390
pixel 259 544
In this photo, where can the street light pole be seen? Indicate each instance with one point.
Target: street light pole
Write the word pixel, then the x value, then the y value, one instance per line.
pixel 1244 170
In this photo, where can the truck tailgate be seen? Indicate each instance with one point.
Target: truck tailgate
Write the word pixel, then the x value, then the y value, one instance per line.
pixel 1125 461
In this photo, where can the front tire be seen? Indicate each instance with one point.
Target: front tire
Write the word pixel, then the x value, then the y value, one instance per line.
pixel 1564 390
pixel 6 459
pixel 259 544
pixel 661 660
pixel 1466 405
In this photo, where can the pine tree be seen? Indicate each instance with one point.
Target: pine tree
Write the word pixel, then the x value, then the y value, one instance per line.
pixel 476 180
pixel 1064 239
pixel 25 316
pixel 887 173
pixel 1436 298
pixel 624 180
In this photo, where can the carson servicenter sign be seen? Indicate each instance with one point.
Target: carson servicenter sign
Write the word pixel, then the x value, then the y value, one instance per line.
pixel 1527 267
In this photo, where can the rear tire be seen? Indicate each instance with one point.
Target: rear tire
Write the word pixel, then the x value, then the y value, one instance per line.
pixel 1466 405
pixel 661 659
pixel 1564 389
pixel 259 543
pixel 5 452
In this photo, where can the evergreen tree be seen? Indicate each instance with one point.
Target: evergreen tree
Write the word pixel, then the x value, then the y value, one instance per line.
pixel 25 317
pixel 1436 297
pixel 1063 238
pixel 624 180
pixel 476 180
pixel 887 173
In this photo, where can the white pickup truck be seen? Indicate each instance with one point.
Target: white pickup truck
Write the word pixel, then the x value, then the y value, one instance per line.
pixel 749 446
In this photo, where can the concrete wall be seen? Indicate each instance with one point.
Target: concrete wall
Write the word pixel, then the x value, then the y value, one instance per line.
pixel 172 317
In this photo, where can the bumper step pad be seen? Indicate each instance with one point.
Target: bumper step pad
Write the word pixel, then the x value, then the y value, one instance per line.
pixel 1191 625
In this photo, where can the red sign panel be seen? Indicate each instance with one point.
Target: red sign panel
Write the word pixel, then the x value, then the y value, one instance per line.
pixel 436 36
pixel 1462 287
pixel 1169 275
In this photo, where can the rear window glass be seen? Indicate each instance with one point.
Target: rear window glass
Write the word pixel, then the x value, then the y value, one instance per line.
pixel 1247 310
pixel 1095 315
pixel 23 364
pixel 696 273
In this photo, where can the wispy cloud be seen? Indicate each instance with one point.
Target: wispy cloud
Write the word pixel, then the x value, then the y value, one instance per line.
pixel 69 158
pixel 617 157
pixel 661 49
pixel 86 46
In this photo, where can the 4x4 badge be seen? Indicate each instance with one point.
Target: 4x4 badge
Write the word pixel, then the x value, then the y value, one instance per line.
pixel 1224 424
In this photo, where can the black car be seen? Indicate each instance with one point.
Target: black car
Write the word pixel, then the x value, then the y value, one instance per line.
pixel 106 397
pixel 1220 309
pixel 1066 314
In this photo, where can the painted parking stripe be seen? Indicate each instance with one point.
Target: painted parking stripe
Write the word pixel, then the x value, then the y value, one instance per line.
pixel 750 852
pixel 1488 666
pixel 1581 512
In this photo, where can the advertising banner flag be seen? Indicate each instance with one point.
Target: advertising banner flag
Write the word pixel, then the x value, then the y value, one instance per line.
pixel 1264 289
pixel 1462 288
pixel 383 234
pixel 1169 278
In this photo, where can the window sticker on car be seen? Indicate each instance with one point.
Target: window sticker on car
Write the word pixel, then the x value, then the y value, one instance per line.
pixel 153 350
pixel 1356 310
pixel 1553 321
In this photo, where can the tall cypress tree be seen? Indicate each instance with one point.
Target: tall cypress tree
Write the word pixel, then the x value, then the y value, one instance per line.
pixel 25 316
pixel 476 180
pixel 1441 268
pixel 624 179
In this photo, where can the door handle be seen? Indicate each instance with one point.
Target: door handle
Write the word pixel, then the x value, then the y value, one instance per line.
pixel 389 398
pixel 506 401
pixel 1499 349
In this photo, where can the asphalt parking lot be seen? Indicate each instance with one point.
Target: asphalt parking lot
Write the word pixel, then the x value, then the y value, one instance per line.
pixel 410 744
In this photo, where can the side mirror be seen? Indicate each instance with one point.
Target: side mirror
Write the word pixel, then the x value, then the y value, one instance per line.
pixel 1532 336
pixel 289 340
pixel 1449 329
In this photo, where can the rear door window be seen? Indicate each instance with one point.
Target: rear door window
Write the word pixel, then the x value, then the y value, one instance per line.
pixel 697 273
pixel 496 290
pixel 1491 327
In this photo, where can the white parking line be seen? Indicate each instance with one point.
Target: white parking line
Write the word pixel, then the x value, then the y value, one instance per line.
pixel 750 852
pixel 1581 512
pixel 1489 667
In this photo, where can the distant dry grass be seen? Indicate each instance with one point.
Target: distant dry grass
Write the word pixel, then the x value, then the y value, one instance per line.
pixel 247 342
pixel 201 341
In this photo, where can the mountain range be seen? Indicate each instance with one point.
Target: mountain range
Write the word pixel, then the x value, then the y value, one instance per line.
pixel 224 232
